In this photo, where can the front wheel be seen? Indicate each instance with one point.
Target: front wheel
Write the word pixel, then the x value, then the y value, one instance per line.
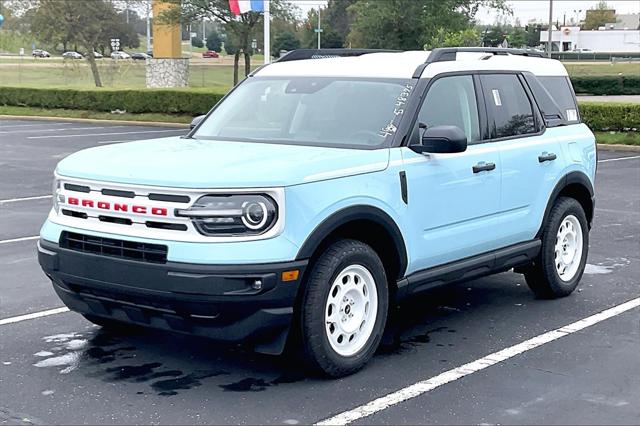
pixel 565 244
pixel 344 308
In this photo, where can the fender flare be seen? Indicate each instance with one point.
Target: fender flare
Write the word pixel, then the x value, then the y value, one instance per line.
pixel 352 213
pixel 571 178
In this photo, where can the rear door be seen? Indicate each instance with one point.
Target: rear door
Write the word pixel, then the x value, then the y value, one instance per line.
pixel 453 198
pixel 531 155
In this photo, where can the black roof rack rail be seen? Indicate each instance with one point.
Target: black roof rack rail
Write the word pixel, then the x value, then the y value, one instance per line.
pixel 443 54
pixel 301 54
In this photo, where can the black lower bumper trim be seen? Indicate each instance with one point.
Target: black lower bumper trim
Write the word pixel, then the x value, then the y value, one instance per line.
pixel 238 303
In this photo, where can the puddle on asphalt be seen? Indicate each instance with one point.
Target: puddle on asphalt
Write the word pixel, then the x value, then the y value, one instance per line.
pixel 590 269
pixel 606 267
pixel 251 384
pixel 101 355
pixel 396 342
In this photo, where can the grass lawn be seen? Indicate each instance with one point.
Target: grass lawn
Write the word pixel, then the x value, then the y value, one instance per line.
pixel 605 68
pixel 618 138
pixel 120 75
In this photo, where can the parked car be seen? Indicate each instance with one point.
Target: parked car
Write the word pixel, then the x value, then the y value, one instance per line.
pixel 39 53
pixel 119 54
pixel 210 54
pixel 97 55
pixel 72 55
pixel 140 56
pixel 323 190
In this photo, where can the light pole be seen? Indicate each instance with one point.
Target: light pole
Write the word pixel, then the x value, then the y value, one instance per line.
pixel 550 31
pixel 148 26
pixel 267 32
pixel 319 29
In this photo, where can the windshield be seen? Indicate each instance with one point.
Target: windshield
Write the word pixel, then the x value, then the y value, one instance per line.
pixel 350 113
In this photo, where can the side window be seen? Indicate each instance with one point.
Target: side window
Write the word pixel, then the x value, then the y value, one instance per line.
pixel 551 111
pixel 452 101
pixel 509 108
pixel 561 91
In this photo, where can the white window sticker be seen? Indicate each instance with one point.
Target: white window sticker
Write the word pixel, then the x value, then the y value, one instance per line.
pixel 496 97
pixel 572 115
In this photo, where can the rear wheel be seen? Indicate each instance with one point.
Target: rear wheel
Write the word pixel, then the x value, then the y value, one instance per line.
pixel 565 245
pixel 344 308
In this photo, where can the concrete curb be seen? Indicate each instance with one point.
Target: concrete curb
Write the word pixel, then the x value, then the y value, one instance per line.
pixel 94 120
pixel 610 147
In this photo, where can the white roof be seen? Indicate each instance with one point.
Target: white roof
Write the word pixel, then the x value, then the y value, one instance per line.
pixel 404 64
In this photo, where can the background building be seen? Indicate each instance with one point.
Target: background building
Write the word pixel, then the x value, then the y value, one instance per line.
pixel 605 40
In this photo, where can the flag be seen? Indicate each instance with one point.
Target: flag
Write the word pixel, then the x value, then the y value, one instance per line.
pixel 239 7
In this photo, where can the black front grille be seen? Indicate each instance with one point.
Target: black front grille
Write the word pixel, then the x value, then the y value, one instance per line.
pixel 143 252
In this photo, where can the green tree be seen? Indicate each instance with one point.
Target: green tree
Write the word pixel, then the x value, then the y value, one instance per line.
pixel 533 34
pixel 285 41
pixel 410 24
pixel 214 41
pixel 494 35
pixel 517 37
pixel 465 38
pixel 599 16
pixel 85 26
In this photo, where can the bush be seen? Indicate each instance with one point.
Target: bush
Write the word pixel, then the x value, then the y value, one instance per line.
pixel 606 85
pixel 214 42
pixel 197 42
pixel 168 101
pixel 610 116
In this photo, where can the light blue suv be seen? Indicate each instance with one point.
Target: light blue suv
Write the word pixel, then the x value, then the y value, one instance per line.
pixel 322 190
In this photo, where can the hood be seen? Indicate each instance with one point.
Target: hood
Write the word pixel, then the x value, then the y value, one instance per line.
pixel 192 163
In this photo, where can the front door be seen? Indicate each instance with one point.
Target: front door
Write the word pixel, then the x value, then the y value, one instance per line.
pixel 453 198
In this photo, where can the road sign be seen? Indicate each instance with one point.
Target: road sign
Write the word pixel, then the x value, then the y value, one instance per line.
pixel 115 44
pixel 318 30
pixel 22 51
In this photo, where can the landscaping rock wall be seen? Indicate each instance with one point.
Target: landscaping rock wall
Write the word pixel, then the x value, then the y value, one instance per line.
pixel 167 73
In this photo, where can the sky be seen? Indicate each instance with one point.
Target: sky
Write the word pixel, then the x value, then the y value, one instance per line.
pixel 526 10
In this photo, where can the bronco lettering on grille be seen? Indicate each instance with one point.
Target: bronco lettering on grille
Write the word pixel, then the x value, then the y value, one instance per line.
pixel 118 207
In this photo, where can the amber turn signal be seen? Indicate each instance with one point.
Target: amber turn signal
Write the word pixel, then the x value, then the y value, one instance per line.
pixel 290 275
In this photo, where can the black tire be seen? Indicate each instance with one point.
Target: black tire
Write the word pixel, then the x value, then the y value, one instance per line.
pixel 542 277
pixel 315 344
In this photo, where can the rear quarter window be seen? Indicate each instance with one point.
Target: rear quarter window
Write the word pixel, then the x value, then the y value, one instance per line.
pixel 562 93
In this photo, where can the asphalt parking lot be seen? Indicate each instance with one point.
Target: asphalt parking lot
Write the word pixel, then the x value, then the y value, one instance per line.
pixel 61 369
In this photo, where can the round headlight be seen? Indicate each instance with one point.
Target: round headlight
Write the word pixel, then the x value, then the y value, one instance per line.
pixel 254 214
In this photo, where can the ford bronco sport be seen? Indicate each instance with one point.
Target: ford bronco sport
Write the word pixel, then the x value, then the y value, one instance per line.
pixel 324 188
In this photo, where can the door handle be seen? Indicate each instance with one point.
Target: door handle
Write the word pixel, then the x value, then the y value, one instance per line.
pixel 546 156
pixel 483 167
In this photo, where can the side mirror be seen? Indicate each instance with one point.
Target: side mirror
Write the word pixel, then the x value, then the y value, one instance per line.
pixel 442 140
pixel 196 121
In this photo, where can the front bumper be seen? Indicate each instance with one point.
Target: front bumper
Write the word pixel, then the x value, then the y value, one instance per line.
pixel 216 301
